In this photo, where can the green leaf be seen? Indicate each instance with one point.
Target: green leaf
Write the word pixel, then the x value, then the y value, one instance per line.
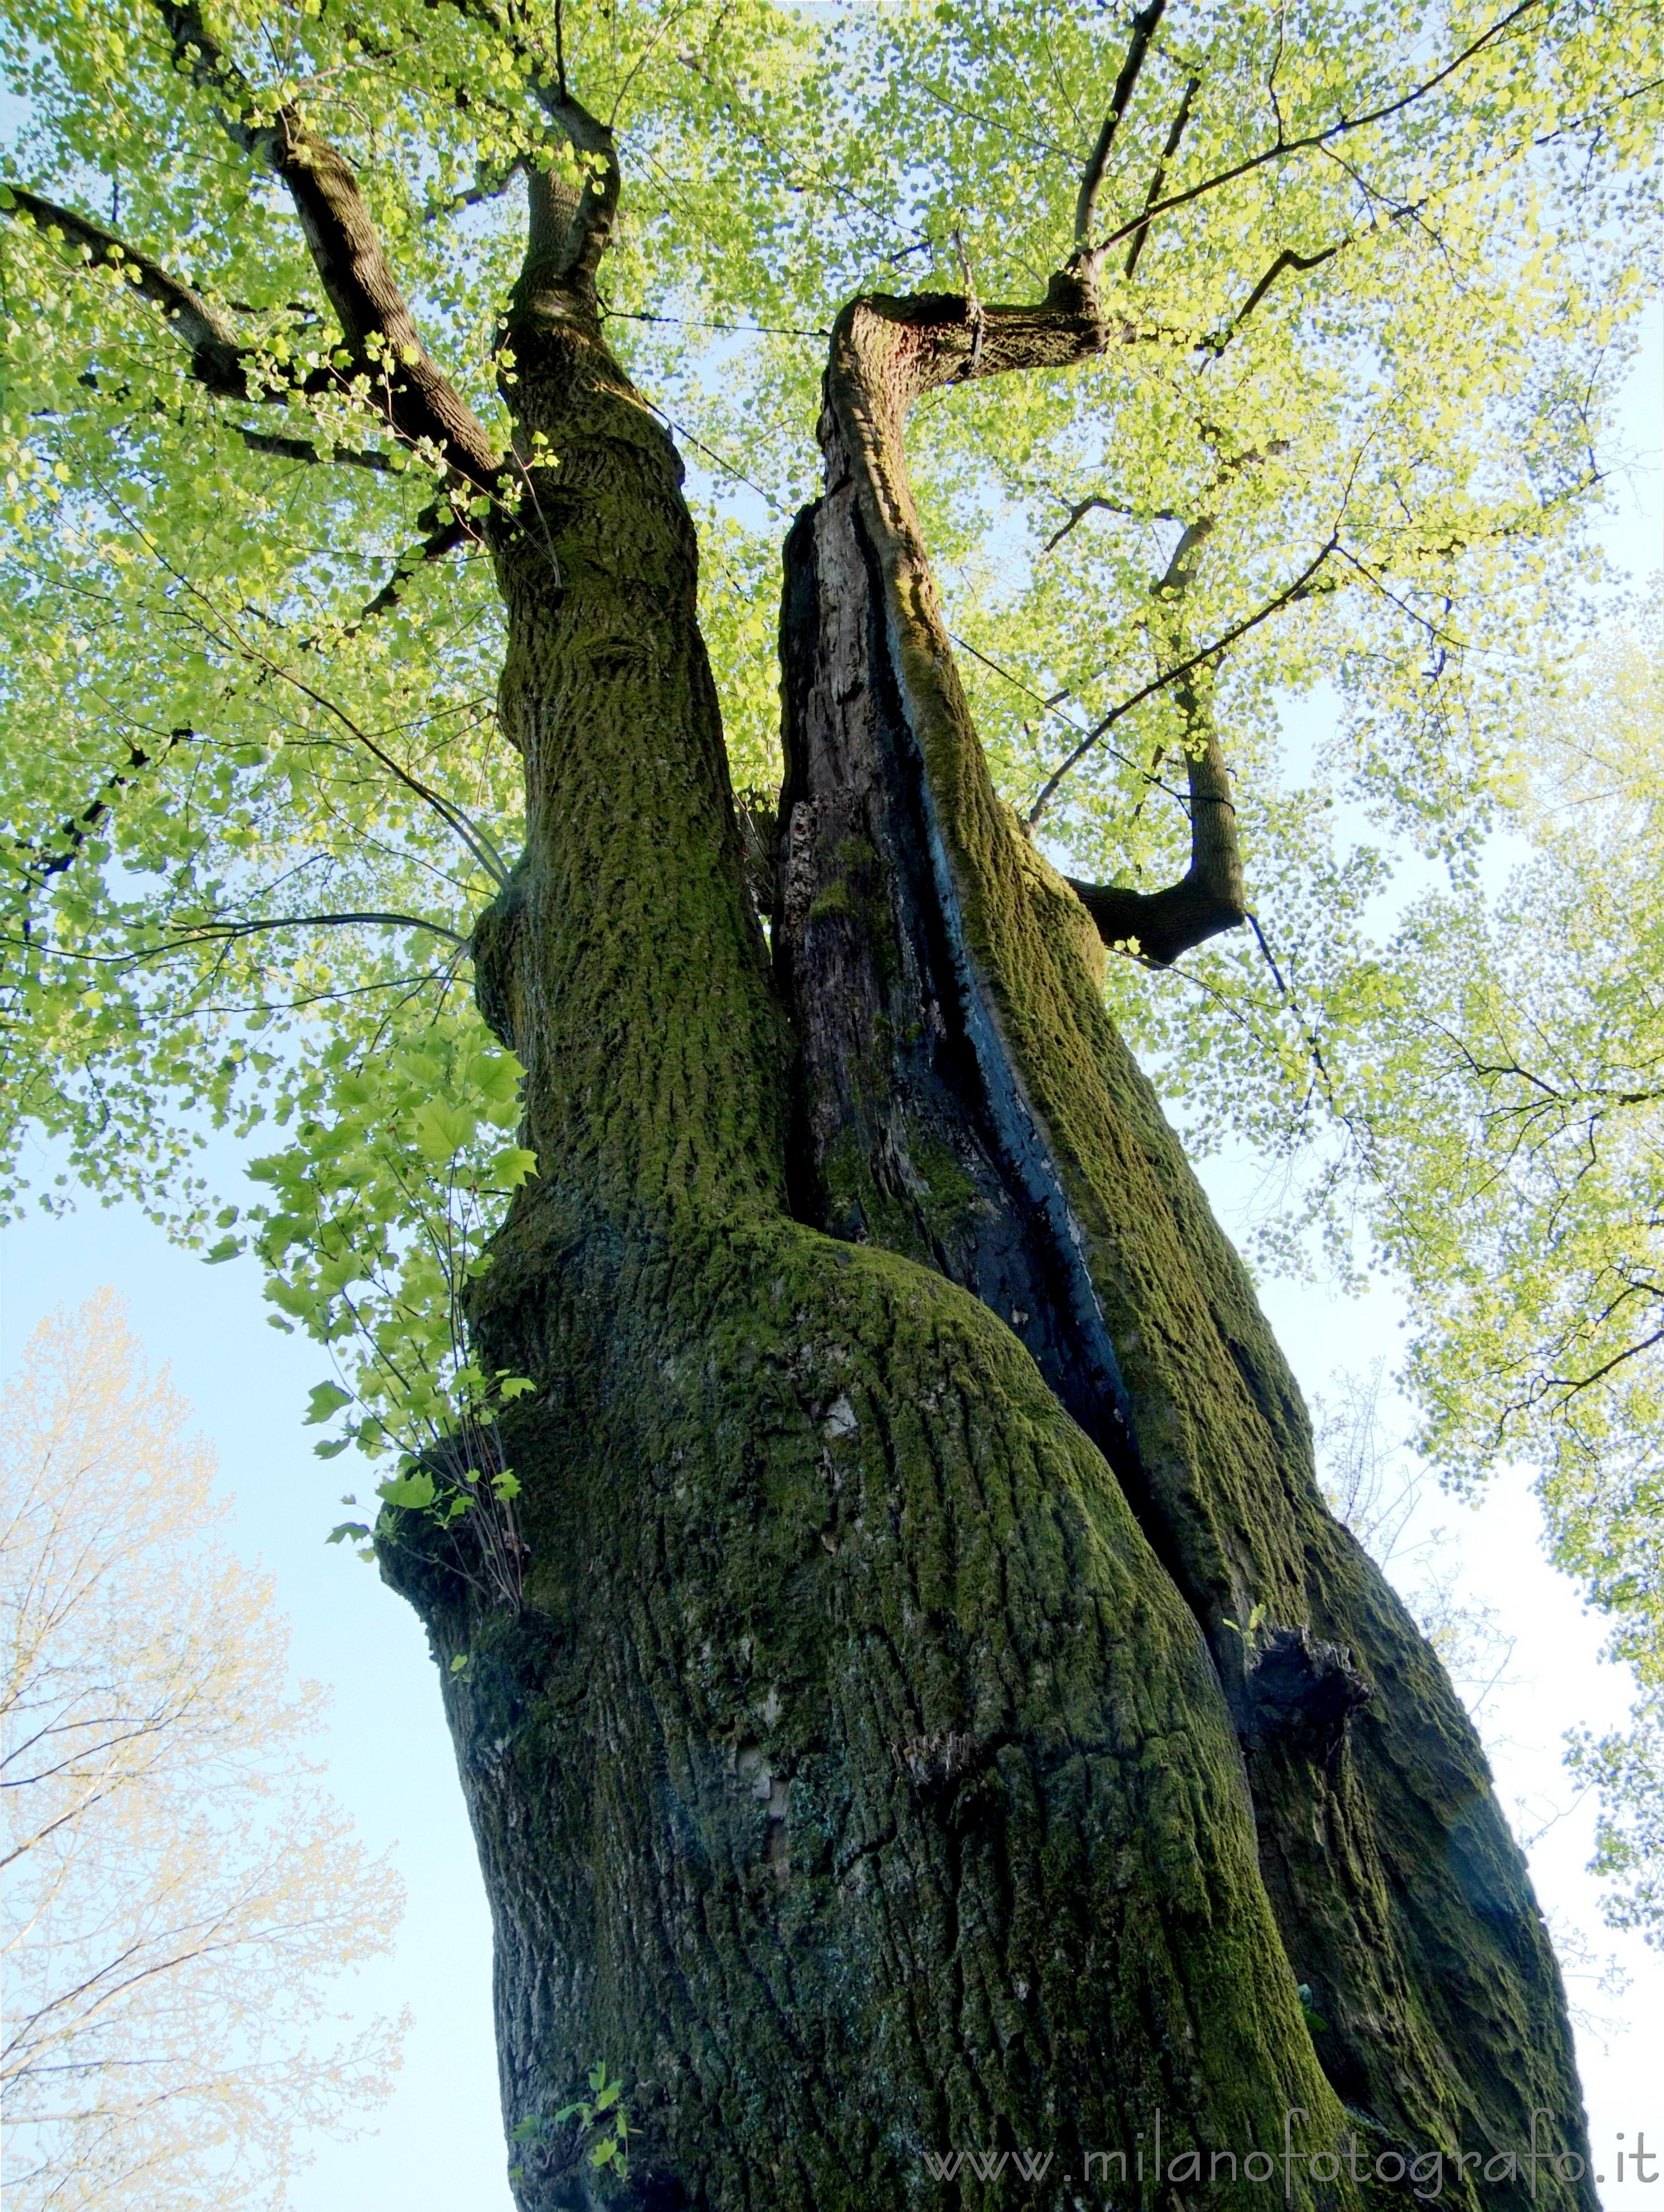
pixel 413 1491
pixel 326 1398
pixel 442 1130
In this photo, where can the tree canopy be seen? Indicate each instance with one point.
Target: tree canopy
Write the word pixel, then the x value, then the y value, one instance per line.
pixel 1313 518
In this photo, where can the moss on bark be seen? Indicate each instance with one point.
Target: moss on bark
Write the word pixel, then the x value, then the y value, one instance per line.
pixel 855 1778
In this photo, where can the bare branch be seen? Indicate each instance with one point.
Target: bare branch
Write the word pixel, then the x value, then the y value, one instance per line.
pixel 207 932
pixel 1282 147
pixel 703 323
pixel 223 932
pixel 1218 341
pixel 302 449
pixel 1569 1385
pixel 442 540
pixel 1078 513
pixel 1299 589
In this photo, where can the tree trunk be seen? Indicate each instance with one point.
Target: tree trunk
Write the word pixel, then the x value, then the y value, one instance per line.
pixel 871 1771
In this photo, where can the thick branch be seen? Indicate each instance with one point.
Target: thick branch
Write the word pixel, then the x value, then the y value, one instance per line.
pixel 1208 898
pixel 217 358
pixel 884 353
pixel 419 400
pixel 569 225
pixel 887 352
pixel 1091 183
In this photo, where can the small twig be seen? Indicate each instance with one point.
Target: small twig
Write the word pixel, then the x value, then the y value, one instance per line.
pixel 696 323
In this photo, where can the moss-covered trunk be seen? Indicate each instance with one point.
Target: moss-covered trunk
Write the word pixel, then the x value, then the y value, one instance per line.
pixel 866 1773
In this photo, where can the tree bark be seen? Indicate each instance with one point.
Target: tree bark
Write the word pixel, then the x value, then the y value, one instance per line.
pixel 871 1770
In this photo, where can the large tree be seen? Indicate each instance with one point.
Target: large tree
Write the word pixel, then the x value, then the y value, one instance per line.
pixel 908 1691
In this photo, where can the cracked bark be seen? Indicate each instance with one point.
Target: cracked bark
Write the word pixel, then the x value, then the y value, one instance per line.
pixel 854 1776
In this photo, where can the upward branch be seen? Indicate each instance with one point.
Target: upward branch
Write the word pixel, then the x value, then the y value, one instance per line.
pixel 420 401
pixel 570 211
pixel 569 221
pixel 1208 897
pixel 1091 182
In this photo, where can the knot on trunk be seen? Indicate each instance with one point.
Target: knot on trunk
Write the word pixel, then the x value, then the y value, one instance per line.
pixel 493 947
pixel 1304 1690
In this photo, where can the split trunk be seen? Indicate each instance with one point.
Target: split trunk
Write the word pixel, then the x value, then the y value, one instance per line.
pixel 942 1715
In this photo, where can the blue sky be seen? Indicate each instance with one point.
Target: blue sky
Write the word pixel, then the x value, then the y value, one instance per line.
pixel 437 2145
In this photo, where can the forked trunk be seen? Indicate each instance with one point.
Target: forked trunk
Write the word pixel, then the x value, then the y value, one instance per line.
pixel 872 1773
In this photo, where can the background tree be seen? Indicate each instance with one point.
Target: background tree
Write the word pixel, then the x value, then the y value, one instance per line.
pixel 1500 1083
pixel 869 1531
pixel 179 1895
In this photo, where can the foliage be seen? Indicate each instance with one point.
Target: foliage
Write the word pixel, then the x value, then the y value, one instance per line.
pixel 595 2128
pixel 1506 1105
pixel 379 1213
pixel 179 1893
pixel 1628 1771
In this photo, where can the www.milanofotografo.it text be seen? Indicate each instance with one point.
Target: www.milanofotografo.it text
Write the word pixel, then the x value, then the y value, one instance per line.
pixel 1426 2173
